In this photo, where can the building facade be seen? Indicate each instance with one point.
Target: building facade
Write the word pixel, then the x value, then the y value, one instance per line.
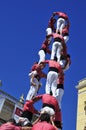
pixel 10 107
pixel 81 105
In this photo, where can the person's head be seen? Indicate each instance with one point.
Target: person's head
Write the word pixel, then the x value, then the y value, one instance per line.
pixel 42 65
pixel 45 117
pixel 12 120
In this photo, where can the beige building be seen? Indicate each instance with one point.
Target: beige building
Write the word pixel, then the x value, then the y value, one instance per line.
pixel 81 105
pixel 10 107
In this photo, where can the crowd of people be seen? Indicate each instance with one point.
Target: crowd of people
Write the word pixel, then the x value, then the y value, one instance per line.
pixel 49 115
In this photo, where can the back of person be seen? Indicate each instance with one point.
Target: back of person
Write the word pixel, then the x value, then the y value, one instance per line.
pixel 8 126
pixel 43 126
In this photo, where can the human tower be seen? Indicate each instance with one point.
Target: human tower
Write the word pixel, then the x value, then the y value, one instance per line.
pixel 57 35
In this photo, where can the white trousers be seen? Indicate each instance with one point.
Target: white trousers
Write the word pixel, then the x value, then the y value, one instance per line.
pixel 33 90
pixel 49 31
pixel 60 24
pixel 56 50
pixel 66 38
pixel 41 54
pixel 51 82
pixel 59 94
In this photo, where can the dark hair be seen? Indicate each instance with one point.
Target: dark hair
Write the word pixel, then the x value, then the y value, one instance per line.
pixel 45 117
pixel 12 120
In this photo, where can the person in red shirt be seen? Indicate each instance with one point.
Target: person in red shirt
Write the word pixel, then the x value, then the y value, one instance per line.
pixel 61 20
pixel 10 125
pixel 51 26
pixel 50 105
pixel 44 49
pixel 58 46
pixel 35 77
pixel 28 111
pixel 60 81
pixel 65 32
pixel 52 75
pixel 45 122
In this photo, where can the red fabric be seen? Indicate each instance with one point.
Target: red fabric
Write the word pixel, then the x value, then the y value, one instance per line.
pixel 60 79
pixel 40 73
pixel 58 116
pixel 51 23
pixel 61 14
pixel 56 35
pixel 43 126
pixel 65 30
pixel 45 46
pixel 29 106
pixel 48 99
pixel 53 63
pixel 8 126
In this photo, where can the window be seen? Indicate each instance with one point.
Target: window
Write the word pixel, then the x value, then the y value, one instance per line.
pixel 85 107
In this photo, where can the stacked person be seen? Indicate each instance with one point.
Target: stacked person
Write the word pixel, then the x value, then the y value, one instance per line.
pixel 57 34
pixel 35 77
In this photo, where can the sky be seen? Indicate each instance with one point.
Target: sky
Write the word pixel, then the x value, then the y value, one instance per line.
pixel 22 31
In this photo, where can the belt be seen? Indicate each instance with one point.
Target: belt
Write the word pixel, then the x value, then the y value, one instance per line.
pixel 60 86
pixel 43 49
pixel 53 69
pixel 48 105
pixel 65 34
pixel 37 77
pixel 58 39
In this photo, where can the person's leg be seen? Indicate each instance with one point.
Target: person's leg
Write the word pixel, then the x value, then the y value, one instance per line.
pixel 48 31
pixel 48 82
pixel 54 83
pixel 54 49
pixel 60 24
pixel 33 90
pixel 58 50
pixel 59 95
pixel 41 54
pixel 66 38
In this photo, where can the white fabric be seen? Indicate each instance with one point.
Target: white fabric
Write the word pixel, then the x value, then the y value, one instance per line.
pixel 59 94
pixel 33 90
pixel 48 110
pixel 33 72
pixel 66 38
pixel 24 120
pixel 51 82
pixel 60 24
pixel 49 31
pixel 56 50
pixel 41 54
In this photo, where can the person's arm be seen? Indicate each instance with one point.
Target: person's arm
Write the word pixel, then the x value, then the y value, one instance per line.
pixel 52 122
pixel 32 78
pixel 26 128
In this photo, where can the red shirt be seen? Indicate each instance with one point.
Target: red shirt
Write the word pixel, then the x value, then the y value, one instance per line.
pixel 61 14
pixel 60 79
pixel 51 23
pixel 56 35
pixel 43 126
pixel 48 99
pixel 40 73
pixel 9 126
pixel 55 64
pixel 65 30
pixel 51 100
pixel 45 47
pixel 29 106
